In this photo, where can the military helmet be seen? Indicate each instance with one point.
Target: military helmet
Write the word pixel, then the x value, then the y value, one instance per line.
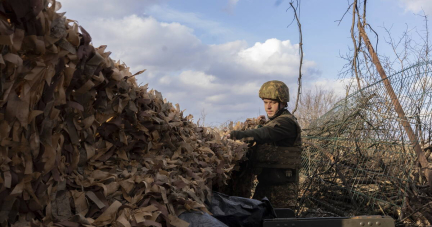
pixel 274 89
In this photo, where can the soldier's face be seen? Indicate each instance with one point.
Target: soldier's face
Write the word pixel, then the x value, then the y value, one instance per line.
pixel 271 107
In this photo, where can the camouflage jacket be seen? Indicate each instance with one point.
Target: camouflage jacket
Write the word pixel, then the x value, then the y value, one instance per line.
pixel 278 142
pixel 282 131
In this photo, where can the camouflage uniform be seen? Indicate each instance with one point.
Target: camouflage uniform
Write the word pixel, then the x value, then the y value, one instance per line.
pixel 276 157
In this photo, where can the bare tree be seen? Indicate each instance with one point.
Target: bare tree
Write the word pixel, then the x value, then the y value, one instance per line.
pixel 313 104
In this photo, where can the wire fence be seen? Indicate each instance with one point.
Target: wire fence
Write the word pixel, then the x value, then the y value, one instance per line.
pixel 358 159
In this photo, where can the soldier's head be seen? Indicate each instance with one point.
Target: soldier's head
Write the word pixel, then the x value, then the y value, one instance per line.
pixel 275 95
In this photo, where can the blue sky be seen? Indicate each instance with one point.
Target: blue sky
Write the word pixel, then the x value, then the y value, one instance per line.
pixel 212 56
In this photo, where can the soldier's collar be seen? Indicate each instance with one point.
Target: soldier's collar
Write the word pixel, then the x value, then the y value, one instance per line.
pixel 278 113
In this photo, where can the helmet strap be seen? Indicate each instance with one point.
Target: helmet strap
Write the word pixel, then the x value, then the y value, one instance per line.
pixel 279 112
pixel 280 106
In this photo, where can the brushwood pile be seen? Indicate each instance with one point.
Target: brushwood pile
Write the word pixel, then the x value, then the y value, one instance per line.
pixel 81 144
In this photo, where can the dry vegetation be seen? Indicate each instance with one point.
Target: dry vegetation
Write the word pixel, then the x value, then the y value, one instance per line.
pixel 314 103
pixel 370 153
pixel 353 167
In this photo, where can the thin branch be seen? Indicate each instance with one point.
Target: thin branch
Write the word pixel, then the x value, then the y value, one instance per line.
pixel 301 55
pixel 356 47
pixel 293 17
pixel 419 209
pixel 376 34
pixel 340 20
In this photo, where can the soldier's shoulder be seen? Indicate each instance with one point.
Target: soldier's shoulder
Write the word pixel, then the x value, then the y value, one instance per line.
pixel 287 117
pixel 283 119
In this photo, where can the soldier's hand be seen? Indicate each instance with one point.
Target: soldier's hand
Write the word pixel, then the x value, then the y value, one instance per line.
pixel 232 135
pixel 228 136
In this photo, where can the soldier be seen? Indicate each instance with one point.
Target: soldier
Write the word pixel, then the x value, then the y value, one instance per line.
pixel 277 156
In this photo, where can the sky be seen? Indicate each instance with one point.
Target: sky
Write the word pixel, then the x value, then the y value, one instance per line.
pixel 212 56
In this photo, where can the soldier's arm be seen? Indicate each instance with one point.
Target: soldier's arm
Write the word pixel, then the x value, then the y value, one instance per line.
pixel 281 129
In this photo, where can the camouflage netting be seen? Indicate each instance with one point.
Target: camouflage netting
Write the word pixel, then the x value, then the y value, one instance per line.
pixel 82 144
pixel 359 160
pixel 243 180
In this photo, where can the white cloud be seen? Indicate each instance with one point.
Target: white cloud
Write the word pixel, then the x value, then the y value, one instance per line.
pixel 339 86
pixel 261 52
pixel 216 98
pixel 166 80
pixel 250 88
pixel 187 18
pixel 82 10
pixel 272 57
pixel 231 5
pixel 198 79
pixel 229 49
pixel 145 42
pixel 206 29
pixel 417 6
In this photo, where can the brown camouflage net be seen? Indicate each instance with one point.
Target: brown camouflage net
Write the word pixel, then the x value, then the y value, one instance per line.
pixel 243 180
pixel 81 144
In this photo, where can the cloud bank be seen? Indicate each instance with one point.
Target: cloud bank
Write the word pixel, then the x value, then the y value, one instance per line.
pixel 417 6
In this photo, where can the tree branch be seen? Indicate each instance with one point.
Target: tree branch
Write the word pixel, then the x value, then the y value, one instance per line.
pixel 301 55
